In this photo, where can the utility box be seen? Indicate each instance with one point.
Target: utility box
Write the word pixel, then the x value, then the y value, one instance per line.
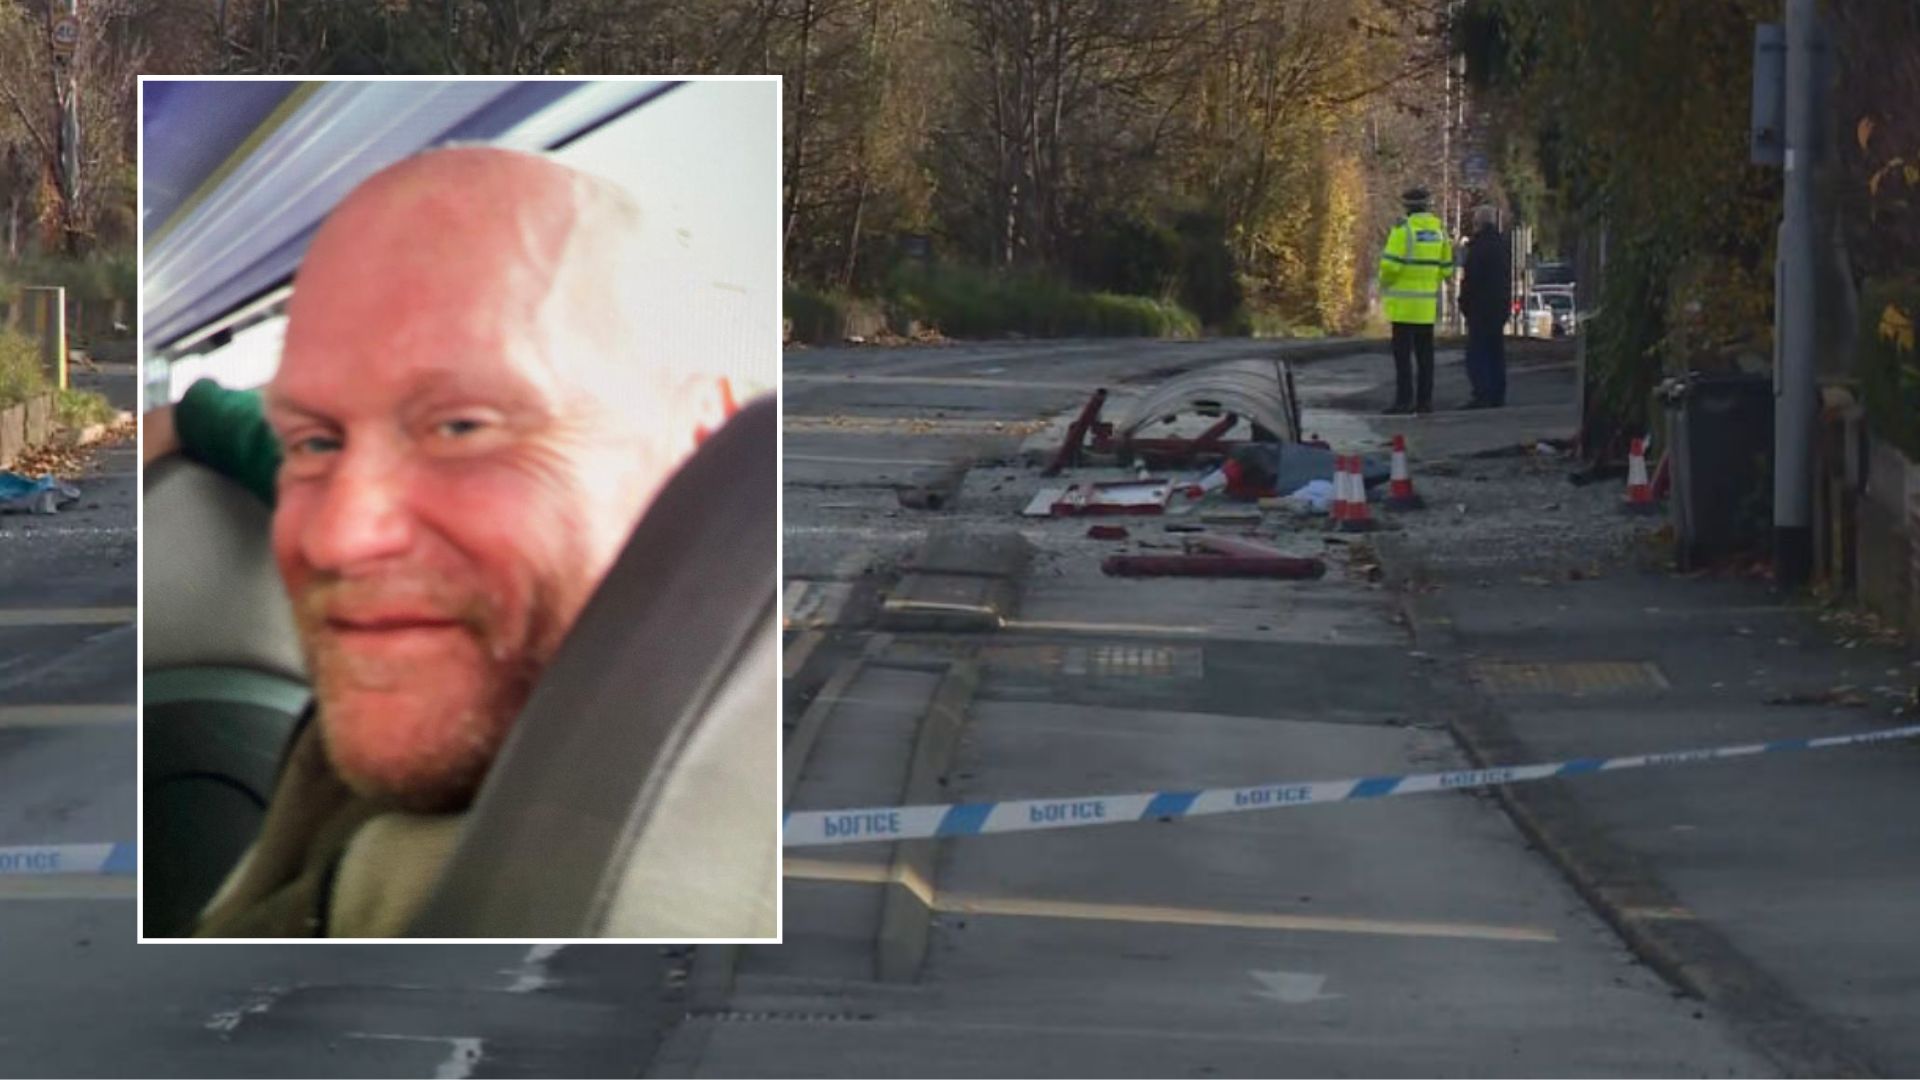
pixel 1720 455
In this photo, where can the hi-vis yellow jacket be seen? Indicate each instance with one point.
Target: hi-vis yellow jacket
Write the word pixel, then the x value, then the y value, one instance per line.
pixel 1417 259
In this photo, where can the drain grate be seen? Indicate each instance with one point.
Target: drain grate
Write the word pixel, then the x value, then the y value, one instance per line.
pixel 777 1016
pixel 1121 661
pixel 1570 677
pixel 1099 661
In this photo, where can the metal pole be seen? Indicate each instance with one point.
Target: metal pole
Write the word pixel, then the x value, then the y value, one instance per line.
pixel 1794 388
pixel 1446 176
pixel 66 87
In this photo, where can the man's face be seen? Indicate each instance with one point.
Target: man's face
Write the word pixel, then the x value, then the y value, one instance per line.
pixel 452 489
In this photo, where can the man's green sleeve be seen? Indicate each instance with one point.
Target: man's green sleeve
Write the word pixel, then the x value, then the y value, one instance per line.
pixel 226 430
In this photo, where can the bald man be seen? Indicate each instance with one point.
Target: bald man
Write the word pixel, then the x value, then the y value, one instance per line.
pixel 472 424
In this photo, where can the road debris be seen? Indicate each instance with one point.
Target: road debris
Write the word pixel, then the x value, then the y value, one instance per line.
pixel 1840 695
pixel 1286 567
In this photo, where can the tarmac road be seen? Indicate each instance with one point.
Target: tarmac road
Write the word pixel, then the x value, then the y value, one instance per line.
pixel 1409 936
pixel 1406 936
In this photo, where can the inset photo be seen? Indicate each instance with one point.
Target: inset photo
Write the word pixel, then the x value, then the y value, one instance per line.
pixel 459 509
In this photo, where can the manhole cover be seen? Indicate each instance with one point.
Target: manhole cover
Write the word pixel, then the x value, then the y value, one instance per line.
pixel 1571 677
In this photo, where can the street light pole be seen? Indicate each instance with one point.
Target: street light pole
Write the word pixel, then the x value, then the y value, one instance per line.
pixel 1794 325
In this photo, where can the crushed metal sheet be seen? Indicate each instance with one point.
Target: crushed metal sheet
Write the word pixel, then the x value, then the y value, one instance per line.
pixel 1260 391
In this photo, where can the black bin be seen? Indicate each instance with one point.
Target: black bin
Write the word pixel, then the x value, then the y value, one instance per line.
pixel 1720 439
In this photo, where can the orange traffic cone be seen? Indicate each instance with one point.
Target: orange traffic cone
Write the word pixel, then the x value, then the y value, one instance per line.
pixel 1400 493
pixel 1337 510
pixel 1639 490
pixel 1359 518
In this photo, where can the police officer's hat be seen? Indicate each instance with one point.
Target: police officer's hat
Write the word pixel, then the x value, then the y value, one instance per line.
pixel 1416 198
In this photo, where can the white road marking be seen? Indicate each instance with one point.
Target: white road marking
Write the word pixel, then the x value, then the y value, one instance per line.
pixel 790 601
pixel 1291 987
pixel 31 532
pixel 89 616
pixel 855 532
pixel 531 975
pixel 464 1055
pixel 817 604
pixel 829 459
pixel 67 887
pixel 227 1020
pixel 42 716
pixel 460 1062
pixel 1059 626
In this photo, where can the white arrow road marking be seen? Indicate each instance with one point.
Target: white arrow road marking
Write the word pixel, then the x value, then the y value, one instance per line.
pixel 531 975
pixel 464 1053
pixel 1291 987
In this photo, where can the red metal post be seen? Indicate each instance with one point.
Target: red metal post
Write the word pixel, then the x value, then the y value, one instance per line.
pixel 1069 451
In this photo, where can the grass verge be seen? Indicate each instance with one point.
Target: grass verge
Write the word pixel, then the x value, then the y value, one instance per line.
pixel 78 409
pixel 21 375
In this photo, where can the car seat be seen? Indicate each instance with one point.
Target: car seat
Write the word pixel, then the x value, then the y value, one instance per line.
pixel 224 684
pixel 638 793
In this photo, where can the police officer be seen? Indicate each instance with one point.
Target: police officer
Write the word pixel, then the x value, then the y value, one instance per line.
pixel 1418 257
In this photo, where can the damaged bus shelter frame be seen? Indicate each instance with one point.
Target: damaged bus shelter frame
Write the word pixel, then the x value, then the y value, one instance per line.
pixel 1259 391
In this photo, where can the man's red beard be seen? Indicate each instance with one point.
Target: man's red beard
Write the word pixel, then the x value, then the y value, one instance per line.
pixel 417 684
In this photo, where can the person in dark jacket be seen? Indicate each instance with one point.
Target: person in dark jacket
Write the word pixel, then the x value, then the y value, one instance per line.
pixel 1485 299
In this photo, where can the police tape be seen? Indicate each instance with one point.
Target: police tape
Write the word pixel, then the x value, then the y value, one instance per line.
pixel 817 828
pixel 114 859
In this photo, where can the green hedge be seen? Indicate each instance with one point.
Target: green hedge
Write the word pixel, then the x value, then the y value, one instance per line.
pixel 972 303
pixel 817 317
pixel 1887 363
pixel 82 408
pixel 21 374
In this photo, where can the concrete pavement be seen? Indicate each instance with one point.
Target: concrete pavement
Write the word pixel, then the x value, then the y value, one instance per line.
pixel 1774 888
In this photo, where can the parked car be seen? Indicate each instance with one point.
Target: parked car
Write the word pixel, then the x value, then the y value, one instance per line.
pixel 1559 303
pixel 1532 317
